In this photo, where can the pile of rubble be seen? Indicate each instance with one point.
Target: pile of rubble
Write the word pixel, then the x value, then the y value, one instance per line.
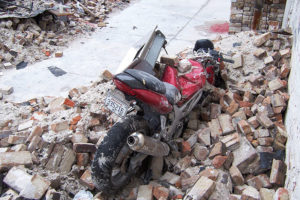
pixel 46 28
pixel 233 146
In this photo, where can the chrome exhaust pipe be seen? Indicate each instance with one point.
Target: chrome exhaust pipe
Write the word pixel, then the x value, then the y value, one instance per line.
pixel 147 145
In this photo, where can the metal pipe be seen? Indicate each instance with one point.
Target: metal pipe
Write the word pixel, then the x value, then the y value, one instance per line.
pixel 147 145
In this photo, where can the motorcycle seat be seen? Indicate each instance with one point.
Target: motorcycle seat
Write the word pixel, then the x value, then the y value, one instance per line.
pixel 154 84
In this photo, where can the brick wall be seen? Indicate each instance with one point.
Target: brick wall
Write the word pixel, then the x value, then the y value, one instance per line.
pixel 242 12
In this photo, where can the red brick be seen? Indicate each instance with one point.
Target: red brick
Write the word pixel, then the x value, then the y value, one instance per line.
pixel 244 127
pixel 75 120
pixel 86 180
pixel 161 193
pixel 236 175
pixel 218 161
pixel 278 171
pixel 82 159
pixel 281 194
pixel 84 148
pixel 245 104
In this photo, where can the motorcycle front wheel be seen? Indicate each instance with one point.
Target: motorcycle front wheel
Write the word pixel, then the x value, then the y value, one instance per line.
pixel 112 158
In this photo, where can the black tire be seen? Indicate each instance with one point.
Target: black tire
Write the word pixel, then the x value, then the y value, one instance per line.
pixel 109 149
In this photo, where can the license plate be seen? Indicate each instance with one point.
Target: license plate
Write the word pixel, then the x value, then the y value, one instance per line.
pixel 113 103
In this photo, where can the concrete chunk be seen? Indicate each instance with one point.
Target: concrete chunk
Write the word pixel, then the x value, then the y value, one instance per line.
pixel 238 61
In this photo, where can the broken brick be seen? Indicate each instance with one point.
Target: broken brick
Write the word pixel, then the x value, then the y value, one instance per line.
pixel 86 180
pixel 266 141
pixel 10 159
pixel 225 121
pixel 250 193
pixel 244 127
pixel 161 193
pixel 236 175
pixel 266 194
pixel 260 181
pixel 264 120
pixel 60 126
pixel 261 39
pixel 277 84
pixel 30 187
pixel 281 194
pixel 84 148
pixel 278 171
pixel 82 159
pixel 215 128
pixel 231 141
pixel 218 149
pixel 259 53
pixel 218 161
pixel 204 136
pixel 67 161
pixel 202 189
pixel 200 152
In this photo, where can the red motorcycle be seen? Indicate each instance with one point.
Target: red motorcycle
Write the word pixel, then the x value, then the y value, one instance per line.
pixel 153 108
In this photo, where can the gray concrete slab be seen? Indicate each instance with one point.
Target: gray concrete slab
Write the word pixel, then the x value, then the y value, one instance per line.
pixel 86 58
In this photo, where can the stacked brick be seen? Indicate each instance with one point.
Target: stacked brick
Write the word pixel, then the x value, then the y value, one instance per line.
pixel 242 12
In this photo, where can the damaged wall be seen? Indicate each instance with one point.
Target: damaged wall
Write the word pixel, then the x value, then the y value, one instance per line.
pixel 293 113
pixel 242 12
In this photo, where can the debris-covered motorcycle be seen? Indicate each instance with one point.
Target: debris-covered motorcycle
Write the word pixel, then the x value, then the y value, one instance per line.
pixel 153 101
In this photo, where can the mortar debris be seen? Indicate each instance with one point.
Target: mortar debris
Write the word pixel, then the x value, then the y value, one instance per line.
pixel 233 146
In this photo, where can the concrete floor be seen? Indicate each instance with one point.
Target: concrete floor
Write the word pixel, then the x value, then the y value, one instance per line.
pixel 183 22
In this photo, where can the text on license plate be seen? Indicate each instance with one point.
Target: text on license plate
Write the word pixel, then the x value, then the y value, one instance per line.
pixel 116 105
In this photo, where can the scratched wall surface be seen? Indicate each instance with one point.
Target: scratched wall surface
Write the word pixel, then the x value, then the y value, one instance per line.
pixel 293 113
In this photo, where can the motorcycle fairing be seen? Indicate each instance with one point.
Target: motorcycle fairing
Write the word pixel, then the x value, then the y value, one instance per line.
pixel 171 76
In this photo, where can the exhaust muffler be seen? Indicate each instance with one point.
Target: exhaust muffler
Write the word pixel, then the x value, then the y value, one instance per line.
pixel 147 145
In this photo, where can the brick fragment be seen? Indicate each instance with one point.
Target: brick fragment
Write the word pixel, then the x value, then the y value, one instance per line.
pixel 236 175
pixel 37 131
pixel 262 39
pixel 266 141
pixel 250 193
pixel 107 75
pixel 60 126
pixel 278 171
pixel 225 121
pixel 161 193
pixel 215 110
pixel 218 149
pixel 86 179
pixel 55 158
pixel 232 108
pixel 218 161
pixel 186 183
pixel 259 53
pixel 25 125
pixel 231 141
pixel 16 139
pixel 67 161
pixel 238 61
pixel 284 71
pixel 268 60
pixel 79 137
pixel 169 60
pixel 264 120
pixel 33 145
pixel 204 136
pixel 277 84
pixel 10 159
pixel 285 52
pixel 215 128
pixel 244 155
pixel 244 127
pixel 260 181
pixel 170 178
pixel 29 186
pixel 281 194
pixel 84 148
pixel 58 54
pixel 210 173
pixel 200 152
pixel 266 194
pixel 202 189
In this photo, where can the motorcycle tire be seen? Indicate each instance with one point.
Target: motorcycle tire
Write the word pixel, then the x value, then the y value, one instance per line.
pixel 108 151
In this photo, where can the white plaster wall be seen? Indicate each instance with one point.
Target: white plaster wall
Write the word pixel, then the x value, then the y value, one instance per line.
pixel 292 119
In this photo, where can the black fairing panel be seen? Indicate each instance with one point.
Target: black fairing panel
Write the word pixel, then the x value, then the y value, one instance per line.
pixel 150 81
pixel 130 81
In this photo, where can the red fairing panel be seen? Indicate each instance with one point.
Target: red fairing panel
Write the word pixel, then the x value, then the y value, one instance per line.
pixel 211 74
pixel 192 81
pixel 155 100
pixel 170 76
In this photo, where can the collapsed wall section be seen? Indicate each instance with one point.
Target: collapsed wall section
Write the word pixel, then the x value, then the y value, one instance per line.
pixel 267 13
pixel 292 19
